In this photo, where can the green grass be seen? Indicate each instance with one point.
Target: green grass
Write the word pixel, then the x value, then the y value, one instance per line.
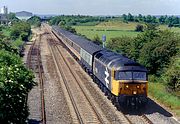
pixel 110 29
pixel 174 29
pixel 158 91
pixel 114 29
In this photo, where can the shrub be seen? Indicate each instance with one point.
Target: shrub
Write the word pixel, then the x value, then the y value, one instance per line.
pixel 172 74
pixel 139 28
pixel 155 55
pixel 121 45
pixel 15 83
pixel 97 40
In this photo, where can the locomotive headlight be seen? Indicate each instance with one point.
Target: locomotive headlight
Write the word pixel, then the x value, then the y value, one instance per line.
pixel 127 86
pixel 138 86
pixel 134 92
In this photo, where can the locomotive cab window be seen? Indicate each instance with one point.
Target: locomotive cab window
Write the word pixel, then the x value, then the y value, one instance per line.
pixel 129 75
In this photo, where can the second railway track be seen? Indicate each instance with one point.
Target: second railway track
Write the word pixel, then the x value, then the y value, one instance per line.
pixel 84 108
pixel 34 63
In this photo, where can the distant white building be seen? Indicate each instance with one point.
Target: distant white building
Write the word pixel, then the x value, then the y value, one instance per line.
pixel 4 10
pixel 23 15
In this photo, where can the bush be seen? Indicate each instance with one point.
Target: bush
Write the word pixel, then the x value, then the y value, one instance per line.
pixel 6 45
pixel 70 29
pixel 97 40
pixel 155 55
pixel 121 45
pixel 139 28
pixel 19 28
pixel 15 83
pixel 35 20
pixel 24 36
pixel 172 74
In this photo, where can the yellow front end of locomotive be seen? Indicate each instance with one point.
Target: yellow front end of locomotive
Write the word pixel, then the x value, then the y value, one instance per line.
pixel 121 87
pixel 132 88
pixel 128 87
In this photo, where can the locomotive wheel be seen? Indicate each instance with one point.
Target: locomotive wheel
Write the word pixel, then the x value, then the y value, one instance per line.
pixel 106 92
pixel 102 88
pixel 113 100
pixel 117 103
pixel 109 96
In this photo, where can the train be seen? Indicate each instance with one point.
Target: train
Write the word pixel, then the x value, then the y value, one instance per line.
pixel 124 81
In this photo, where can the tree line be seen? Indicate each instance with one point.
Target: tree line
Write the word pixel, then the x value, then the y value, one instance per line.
pixel 171 21
pixel 67 21
pixel 77 20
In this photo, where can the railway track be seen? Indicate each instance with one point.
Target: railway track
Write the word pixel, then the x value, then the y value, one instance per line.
pixel 139 118
pixel 146 119
pixel 84 108
pixel 34 63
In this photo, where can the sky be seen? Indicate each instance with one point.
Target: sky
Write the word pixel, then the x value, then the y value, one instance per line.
pixel 94 7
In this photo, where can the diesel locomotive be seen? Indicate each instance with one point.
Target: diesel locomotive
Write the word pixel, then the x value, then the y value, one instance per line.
pixel 123 80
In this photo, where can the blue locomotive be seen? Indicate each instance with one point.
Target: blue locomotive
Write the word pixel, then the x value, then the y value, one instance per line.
pixel 123 80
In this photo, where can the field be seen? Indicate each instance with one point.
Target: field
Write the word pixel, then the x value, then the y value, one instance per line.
pixel 110 29
pixel 114 29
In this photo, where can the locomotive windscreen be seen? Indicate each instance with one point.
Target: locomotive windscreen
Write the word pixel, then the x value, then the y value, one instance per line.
pixel 129 75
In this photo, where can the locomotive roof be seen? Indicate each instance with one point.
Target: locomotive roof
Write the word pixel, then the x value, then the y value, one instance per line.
pixel 118 61
pixel 87 45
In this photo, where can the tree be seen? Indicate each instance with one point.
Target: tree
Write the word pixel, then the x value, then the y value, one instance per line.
pixel 18 28
pixel 35 21
pixel 155 55
pixel 7 45
pixel 12 17
pixel 130 17
pixel 162 19
pixel 172 74
pixel 140 17
pixel 62 23
pixel 15 83
pixel 149 19
pixel 70 29
pixel 124 17
pixel 147 36
pixel 139 28
pixel 121 45
pixel 97 40
pixel 151 27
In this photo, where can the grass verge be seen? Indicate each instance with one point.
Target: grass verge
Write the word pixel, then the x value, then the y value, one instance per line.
pixel 158 91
